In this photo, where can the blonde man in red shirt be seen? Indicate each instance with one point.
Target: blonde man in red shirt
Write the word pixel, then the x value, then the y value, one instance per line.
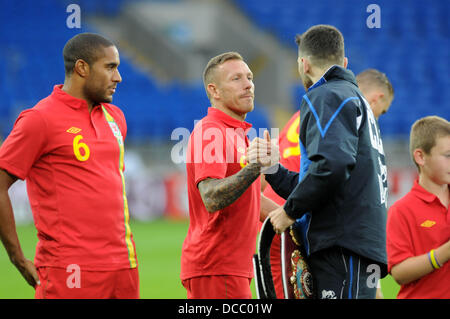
pixel 69 149
pixel 223 190
pixel 418 225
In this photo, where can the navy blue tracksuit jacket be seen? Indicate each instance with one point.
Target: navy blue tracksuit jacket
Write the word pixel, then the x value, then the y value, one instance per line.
pixel 339 197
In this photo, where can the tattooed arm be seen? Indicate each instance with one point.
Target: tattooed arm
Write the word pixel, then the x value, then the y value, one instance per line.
pixel 220 193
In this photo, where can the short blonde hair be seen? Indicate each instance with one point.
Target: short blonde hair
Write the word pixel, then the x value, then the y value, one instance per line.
pixel 425 132
pixel 208 74
pixel 371 77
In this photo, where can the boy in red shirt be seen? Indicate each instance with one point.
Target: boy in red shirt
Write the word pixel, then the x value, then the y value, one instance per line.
pixel 223 188
pixel 69 148
pixel 418 225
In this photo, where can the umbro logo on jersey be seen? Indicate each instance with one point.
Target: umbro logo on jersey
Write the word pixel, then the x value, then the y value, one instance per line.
pixel 428 223
pixel 73 130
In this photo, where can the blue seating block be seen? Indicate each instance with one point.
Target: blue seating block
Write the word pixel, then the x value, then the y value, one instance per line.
pixel 412 46
pixel 32 37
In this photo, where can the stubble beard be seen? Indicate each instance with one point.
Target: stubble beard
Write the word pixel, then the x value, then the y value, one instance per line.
pixel 97 96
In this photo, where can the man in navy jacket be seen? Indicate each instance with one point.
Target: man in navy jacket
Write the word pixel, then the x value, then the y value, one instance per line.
pixel 338 200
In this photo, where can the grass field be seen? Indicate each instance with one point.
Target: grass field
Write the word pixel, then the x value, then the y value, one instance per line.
pixel 158 245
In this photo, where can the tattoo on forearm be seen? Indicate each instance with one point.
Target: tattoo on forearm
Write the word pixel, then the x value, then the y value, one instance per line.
pixel 220 193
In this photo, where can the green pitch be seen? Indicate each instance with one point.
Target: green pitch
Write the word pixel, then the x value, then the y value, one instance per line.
pixel 158 245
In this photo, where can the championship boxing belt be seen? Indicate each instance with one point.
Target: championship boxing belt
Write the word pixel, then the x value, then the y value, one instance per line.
pixel 296 275
pixel 265 288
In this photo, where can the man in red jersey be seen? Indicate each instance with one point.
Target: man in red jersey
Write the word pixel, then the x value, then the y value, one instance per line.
pixel 378 91
pixel 69 148
pixel 223 188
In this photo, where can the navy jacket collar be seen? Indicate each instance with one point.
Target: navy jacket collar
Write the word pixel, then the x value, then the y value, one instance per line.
pixel 335 73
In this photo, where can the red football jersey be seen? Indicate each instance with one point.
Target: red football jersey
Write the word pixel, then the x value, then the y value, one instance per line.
pixel 72 161
pixel 223 242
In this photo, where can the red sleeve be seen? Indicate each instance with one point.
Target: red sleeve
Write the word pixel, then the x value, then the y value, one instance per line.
pixel 209 147
pixel 24 145
pixel 398 237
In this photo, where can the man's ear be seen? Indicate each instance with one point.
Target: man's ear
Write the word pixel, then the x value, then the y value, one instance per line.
pixel 377 96
pixel 345 62
pixel 213 91
pixel 306 65
pixel 81 68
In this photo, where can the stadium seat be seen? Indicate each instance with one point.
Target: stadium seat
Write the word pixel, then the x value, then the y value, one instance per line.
pixel 33 64
pixel 411 47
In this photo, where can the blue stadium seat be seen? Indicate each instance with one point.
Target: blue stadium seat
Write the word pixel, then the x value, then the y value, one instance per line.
pixel 32 37
pixel 412 47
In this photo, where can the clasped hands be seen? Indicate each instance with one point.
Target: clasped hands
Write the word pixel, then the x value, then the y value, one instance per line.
pixel 266 153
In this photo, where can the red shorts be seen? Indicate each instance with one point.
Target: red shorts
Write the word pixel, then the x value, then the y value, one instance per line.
pixel 218 287
pixel 74 283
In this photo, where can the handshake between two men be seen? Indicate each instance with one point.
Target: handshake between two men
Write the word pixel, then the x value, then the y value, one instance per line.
pixel 265 152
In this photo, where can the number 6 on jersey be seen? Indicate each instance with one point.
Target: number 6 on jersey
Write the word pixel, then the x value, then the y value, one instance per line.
pixel 77 146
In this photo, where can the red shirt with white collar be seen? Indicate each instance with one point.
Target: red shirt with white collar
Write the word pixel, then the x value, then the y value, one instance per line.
pixel 72 161
pixel 223 242
pixel 417 223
